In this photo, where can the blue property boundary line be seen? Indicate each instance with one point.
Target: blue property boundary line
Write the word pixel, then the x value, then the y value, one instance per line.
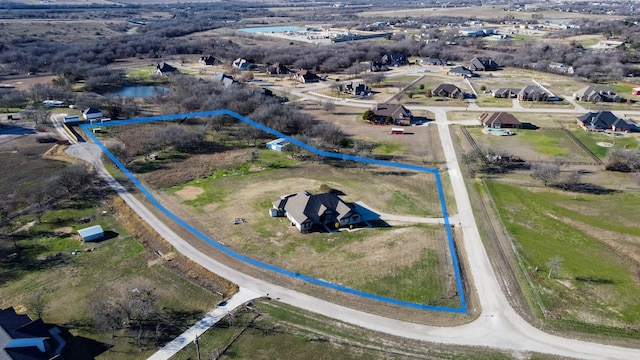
pixel 454 258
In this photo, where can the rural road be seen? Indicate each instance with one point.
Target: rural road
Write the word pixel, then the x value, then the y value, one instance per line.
pixel 498 326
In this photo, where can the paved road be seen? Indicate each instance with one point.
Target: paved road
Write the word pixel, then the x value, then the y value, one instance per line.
pixel 499 326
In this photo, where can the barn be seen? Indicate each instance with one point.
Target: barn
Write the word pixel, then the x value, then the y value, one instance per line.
pixel 277 144
pixel 92 233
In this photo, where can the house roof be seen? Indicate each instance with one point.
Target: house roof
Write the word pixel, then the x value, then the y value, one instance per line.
pixel 461 70
pixel 502 91
pixel 164 67
pixel 92 110
pixel 605 120
pixel 483 64
pixel 19 326
pixel 532 90
pixel 503 118
pixel 433 60
pixel 90 231
pixel 303 206
pixel 448 88
pixel 393 110
pixel 595 89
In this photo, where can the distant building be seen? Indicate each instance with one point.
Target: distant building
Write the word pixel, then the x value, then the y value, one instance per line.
pixel 207 60
pixel 398 114
pixel 240 64
pixel 164 69
pixel 483 64
pixel 447 90
pixel 533 93
pixel 461 71
pixel 597 93
pixel 92 113
pixel 305 76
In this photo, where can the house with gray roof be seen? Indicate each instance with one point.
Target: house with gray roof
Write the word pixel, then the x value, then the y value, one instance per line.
pixel 505 93
pixel 447 90
pixel 606 120
pixel 483 64
pixel 398 114
pixel 309 212
pixel 23 338
pixel 597 93
pixel 461 71
pixel 533 93
pixel 164 69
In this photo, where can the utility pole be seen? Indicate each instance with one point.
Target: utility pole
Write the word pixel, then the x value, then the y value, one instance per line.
pixel 195 341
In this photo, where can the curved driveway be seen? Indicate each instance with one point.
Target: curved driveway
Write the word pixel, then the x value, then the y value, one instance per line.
pixel 498 326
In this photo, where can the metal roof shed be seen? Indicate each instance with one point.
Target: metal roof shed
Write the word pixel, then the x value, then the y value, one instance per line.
pixel 91 233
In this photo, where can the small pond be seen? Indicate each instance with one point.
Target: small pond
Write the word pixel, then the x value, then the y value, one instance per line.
pixel 138 91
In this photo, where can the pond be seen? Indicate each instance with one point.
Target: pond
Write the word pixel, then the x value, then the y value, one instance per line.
pixel 138 91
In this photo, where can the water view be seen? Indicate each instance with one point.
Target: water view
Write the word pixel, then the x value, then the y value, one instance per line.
pixel 138 91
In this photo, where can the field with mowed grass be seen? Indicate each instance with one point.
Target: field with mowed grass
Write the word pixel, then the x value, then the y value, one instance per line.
pixel 48 272
pixel 594 286
pixel 403 260
pixel 591 140
pixel 533 145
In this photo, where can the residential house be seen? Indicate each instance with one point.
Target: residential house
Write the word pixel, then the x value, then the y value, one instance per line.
pixel 164 69
pixel 447 90
pixel 505 93
pixel 356 90
pixel 499 120
pixel 92 113
pixel 533 93
pixel 240 64
pixel 224 79
pixel 376 66
pixel 396 113
pixel 308 212
pixel 395 59
pixel 305 76
pixel 483 64
pixel 277 69
pixel 597 93
pixel 461 71
pixel 606 120
pixel 23 338
pixel 561 68
pixel 433 61
pixel 207 60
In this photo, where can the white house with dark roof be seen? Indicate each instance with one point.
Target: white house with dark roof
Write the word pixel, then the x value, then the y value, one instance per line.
pixel 308 212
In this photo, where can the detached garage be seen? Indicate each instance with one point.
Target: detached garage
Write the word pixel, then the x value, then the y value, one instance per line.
pixel 91 233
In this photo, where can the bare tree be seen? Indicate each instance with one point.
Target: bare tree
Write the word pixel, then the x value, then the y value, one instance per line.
pixel 554 264
pixel 38 303
pixel 328 106
pixel 545 172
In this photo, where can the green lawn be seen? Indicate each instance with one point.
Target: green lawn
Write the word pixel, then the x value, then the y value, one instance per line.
pixel 591 140
pixel 490 101
pixel 621 89
pixel 595 284
pixel 546 142
pixel 72 283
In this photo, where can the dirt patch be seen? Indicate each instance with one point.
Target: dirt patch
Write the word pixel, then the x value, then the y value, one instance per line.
pixel 63 230
pixel 190 192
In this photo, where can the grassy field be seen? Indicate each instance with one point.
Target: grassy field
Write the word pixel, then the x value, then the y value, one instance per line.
pixel 534 145
pixel 544 224
pixel 490 101
pixel 271 330
pixel 46 261
pixel 398 260
pixel 591 140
